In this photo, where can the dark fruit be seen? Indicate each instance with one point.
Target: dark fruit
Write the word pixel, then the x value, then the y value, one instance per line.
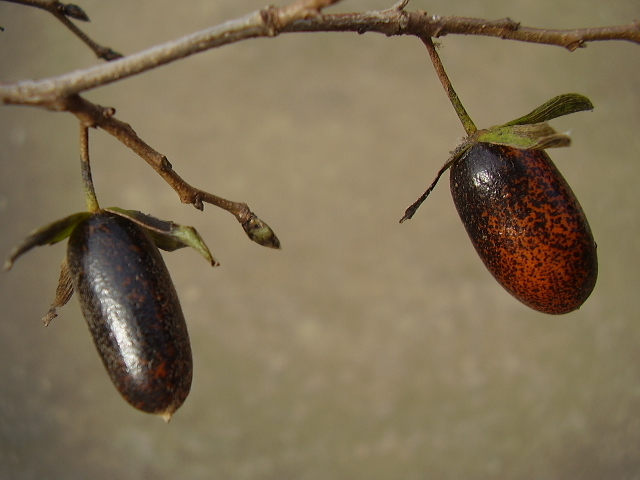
pixel 527 225
pixel 132 310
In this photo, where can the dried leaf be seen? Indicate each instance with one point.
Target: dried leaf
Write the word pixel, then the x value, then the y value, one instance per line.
pixel 64 292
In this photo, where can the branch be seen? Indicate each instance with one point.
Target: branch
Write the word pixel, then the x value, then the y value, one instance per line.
pixel 63 12
pixel 92 115
pixel 396 21
pixel 302 16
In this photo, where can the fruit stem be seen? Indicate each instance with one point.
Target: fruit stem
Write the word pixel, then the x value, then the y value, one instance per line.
pixel 87 180
pixel 464 117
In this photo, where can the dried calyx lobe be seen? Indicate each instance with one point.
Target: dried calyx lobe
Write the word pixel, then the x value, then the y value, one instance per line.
pixel 526 225
pixel 132 310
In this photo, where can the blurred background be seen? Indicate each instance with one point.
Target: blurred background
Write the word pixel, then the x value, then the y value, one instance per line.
pixel 364 349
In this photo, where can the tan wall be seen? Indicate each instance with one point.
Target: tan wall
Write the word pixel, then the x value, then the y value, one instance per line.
pixel 364 349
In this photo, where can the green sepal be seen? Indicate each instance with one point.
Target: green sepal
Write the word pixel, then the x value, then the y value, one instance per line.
pixel 528 132
pixel 261 233
pixel 167 235
pixel 525 137
pixel 532 131
pixel 47 235
pixel 554 108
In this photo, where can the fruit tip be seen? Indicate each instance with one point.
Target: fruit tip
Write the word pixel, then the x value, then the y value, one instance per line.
pixel 166 416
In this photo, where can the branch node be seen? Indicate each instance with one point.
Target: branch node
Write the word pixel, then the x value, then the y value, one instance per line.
pixel 439 32
pixel 243 213
pixel 164 163
pixel 400 22
pixel 573 46
pixel 108 54
pixel 197 202
pixel 508 24
pixel 271 20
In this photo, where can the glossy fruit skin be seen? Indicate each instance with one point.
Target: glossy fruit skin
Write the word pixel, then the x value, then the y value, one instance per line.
pixel 527 225
pixel 133 312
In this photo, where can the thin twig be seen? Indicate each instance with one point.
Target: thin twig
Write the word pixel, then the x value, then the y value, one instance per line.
pixel 300 17
pixel 63 12
pixel 464 117
pixel 87 180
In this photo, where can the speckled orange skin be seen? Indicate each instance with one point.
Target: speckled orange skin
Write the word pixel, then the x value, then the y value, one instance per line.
pixel 132 310
pixel 527 226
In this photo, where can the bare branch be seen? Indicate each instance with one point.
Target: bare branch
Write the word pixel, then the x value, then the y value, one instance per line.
pixel 46 92
pixel 64 11
pixel 419 23
pixel 302 16
pixel 92 115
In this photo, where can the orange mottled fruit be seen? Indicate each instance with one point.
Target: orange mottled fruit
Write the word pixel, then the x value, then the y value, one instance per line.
pixel 526 225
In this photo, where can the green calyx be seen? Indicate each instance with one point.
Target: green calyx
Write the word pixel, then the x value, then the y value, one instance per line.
pixel 532 131
pixel 554 108
pixel 48 235
pixel 166 235
pixel 529 132
pixel 526 137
